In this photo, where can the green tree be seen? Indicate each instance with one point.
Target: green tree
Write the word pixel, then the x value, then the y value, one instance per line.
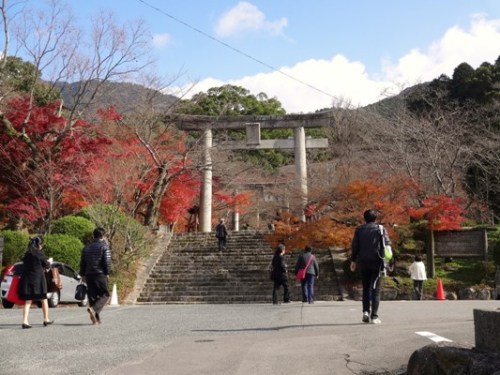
pixel 19 76
pixel 63 248
pixel 230 100
pixel 463 76
pixel 75 226
pixel 15 245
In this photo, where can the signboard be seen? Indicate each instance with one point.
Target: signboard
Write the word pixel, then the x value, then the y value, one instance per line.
pixel 461 243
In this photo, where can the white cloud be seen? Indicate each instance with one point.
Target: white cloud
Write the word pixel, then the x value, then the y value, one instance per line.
pixel 244 17
pixel 473 46
pixel 161 40
pixel 349 81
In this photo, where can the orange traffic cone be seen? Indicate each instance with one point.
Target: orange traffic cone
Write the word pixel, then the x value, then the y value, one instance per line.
pixel 439 290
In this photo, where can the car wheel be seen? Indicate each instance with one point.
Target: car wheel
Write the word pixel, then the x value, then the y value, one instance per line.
pixel 54 299
pixel 6 304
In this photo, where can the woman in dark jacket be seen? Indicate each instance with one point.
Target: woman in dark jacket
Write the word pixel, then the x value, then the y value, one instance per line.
pixel 306 259
pixel 279 275
pixel 33 284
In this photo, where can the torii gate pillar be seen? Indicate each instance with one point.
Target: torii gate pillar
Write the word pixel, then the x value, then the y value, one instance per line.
pixel 301 165
pixel 206 187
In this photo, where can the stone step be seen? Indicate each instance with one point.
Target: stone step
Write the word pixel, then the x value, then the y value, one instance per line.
pixel 192 270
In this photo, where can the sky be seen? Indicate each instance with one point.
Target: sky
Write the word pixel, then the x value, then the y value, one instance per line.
pixel 310 54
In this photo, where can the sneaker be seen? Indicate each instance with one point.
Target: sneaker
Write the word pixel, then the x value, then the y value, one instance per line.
pixel 366 317
pixel 376 321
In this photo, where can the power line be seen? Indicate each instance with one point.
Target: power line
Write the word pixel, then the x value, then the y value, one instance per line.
pixel 234 49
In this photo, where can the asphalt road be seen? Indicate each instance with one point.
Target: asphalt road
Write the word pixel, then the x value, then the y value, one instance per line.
pixel 324 338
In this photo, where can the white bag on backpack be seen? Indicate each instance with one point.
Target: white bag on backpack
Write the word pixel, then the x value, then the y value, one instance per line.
pixel 387 248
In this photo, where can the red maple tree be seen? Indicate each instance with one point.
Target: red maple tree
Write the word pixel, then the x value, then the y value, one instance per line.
pixel 44 156
pixel 441 212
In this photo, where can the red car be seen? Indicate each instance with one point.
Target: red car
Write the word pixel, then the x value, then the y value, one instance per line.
pixel 69 280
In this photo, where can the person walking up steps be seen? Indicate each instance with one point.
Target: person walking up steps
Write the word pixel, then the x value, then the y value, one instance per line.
pixel 368 253
pixel 221 234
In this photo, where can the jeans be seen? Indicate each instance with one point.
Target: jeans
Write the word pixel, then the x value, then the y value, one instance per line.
pixel 370 277
pixel 418 286
pixel 308 288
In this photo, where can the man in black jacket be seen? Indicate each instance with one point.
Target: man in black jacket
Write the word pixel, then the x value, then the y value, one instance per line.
pixel 368 252
pixel 95 267
pixel 279 275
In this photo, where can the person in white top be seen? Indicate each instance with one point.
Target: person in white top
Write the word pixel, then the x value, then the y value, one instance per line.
pixel 418 275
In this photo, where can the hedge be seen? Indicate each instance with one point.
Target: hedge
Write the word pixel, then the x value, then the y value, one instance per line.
pixel 15 245
pixel 75 226
pixel 63 248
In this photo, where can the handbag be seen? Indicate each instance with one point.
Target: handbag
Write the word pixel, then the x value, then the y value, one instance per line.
pixel 55 279
pixel 301 273
pixel 80 291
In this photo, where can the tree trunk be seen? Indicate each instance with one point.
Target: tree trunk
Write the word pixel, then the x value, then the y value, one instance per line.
pixel 159 188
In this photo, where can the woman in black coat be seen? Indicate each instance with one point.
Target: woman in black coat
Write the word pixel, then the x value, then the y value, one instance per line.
pixel 33 284
pixel 280 275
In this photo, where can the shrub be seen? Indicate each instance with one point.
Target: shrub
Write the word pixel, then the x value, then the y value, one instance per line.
pixel 15 245
pixel 128 238
pixel 487 271
pixel 76 226
pixel 63 248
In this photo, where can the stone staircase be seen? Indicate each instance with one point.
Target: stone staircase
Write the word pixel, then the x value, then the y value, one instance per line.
pixel 192 270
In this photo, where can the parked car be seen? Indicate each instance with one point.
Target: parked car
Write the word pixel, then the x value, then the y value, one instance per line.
pixel 69 280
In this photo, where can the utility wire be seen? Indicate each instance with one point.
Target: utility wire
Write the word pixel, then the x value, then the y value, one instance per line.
pixel 235 49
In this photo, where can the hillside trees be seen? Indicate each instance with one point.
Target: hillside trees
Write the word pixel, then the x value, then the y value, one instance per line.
pixel 432 147
pixel 49 153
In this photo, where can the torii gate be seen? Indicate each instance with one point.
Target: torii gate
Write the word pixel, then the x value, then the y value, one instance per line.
pixel 253 124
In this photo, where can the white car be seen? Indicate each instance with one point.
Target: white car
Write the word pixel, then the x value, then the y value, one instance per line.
pixel 69 280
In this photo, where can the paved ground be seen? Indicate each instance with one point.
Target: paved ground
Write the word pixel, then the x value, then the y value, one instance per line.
pixel 324 338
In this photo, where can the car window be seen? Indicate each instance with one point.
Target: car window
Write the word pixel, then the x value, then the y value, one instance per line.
pixel 68 271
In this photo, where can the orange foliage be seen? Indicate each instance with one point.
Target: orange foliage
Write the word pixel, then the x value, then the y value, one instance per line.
pixel 392 197
pixel 322 233
pixel 343 211
pixel 441 212
pixel 73 201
